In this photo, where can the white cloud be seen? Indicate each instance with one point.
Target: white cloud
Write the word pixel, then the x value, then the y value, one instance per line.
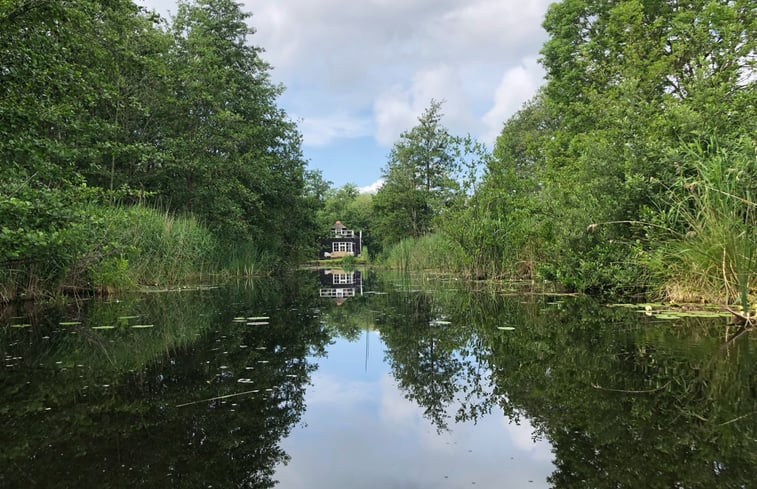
pixel 321 131
pixel 385 59
pixel 397 109
pixel 517 86
pixel 372 188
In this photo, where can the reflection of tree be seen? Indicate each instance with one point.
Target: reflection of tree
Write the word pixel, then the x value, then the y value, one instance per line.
pixel 422 351
pixel 624 402
pixel 132 433
pixel 633 408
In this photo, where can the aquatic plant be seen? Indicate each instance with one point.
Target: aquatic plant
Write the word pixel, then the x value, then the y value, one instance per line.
pixel 715 257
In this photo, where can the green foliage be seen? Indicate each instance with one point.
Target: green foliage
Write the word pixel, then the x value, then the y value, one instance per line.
pixel 430 252
pixel 579 175
pixel 714 256
pixel 428 173
pixel 105 100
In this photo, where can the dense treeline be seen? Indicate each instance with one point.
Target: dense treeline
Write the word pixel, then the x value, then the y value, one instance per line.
pixel 105 106
pixel 635 166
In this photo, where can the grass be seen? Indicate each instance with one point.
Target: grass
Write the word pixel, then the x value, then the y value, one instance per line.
pixel 126 247
pixel 430 252
pixel 716 259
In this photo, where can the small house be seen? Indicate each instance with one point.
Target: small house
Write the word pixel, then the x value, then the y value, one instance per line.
pixel 340 284
pixel 341 242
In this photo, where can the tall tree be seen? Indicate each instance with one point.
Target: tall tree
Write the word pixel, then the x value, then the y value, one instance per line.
pixel 234 157
pixel 422 178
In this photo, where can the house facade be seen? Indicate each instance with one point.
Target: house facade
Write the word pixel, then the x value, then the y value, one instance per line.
pixel 340 284
pixel 341 242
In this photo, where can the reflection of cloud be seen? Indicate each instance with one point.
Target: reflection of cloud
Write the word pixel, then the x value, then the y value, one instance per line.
pixel 394 408
pixel 330 390
pixel 365 433
pixel 522 437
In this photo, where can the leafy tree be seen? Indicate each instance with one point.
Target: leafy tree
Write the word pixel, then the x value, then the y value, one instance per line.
pixel 422 178
pixel 235 159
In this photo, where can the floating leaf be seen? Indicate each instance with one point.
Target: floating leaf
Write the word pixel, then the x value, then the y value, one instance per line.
pixel 666 316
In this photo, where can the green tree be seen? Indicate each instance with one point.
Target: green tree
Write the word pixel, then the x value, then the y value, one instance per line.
pixel 234 157
pixel 423 178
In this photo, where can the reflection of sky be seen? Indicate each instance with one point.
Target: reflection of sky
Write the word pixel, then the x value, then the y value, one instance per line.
pixel 359 431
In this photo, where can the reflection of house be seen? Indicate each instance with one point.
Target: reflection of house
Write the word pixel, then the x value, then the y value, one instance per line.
pixel 342 242
pixel 340 284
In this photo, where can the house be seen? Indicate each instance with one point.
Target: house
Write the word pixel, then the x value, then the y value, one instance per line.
pixel 341 242
pixel 340 284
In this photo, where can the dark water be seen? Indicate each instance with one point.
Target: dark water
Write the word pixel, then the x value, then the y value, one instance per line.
pixel 371 384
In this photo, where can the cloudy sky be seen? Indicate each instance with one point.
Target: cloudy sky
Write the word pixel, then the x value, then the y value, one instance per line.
pixel 359 72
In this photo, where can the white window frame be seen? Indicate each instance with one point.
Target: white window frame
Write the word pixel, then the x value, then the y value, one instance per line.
pixel 343 278
pixel 342 247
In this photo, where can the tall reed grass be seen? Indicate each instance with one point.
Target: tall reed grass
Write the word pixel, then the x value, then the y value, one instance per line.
pixel 430 252
pixel 126 247
pixel 145 246
pixel 716 258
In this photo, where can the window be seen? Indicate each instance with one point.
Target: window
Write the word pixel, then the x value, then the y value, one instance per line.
pixel 337 293
pixel 342 247
pixel 343 278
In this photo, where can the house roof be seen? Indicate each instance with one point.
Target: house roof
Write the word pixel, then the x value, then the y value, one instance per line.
pixel 339 225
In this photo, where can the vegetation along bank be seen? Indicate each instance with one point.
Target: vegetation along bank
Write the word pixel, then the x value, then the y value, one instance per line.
pixel 633 170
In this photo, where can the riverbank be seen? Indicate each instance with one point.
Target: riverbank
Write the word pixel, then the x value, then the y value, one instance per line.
pixel 700 285
pixel 109 249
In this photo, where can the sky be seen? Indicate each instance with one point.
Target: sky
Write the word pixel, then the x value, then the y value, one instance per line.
pixel 360 430
pixel 358 73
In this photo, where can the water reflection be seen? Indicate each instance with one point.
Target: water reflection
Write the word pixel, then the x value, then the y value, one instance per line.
pixel 402 385
pixel 340 284
pixel 119 407
pixel 623 400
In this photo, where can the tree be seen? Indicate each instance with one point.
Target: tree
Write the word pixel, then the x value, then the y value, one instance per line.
pixel 422 178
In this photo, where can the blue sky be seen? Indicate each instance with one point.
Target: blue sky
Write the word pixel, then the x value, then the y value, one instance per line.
pixel 360 430
pixel 359 72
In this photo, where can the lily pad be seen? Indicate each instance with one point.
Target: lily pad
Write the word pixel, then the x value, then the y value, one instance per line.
pixel 666 316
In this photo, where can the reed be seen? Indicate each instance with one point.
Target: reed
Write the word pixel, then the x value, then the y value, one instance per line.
pixel 716 258
pixel 146 246
pixel 430 252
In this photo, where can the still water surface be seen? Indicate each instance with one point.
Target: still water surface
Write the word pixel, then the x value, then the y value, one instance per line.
pixel 329 381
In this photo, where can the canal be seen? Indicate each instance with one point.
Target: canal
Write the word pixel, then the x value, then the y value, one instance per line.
pixel 340 379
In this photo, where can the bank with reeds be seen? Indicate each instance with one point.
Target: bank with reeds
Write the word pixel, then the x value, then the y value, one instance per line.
pixel 120 248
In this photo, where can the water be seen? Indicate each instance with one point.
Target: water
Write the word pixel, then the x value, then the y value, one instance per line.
pixel 379 383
